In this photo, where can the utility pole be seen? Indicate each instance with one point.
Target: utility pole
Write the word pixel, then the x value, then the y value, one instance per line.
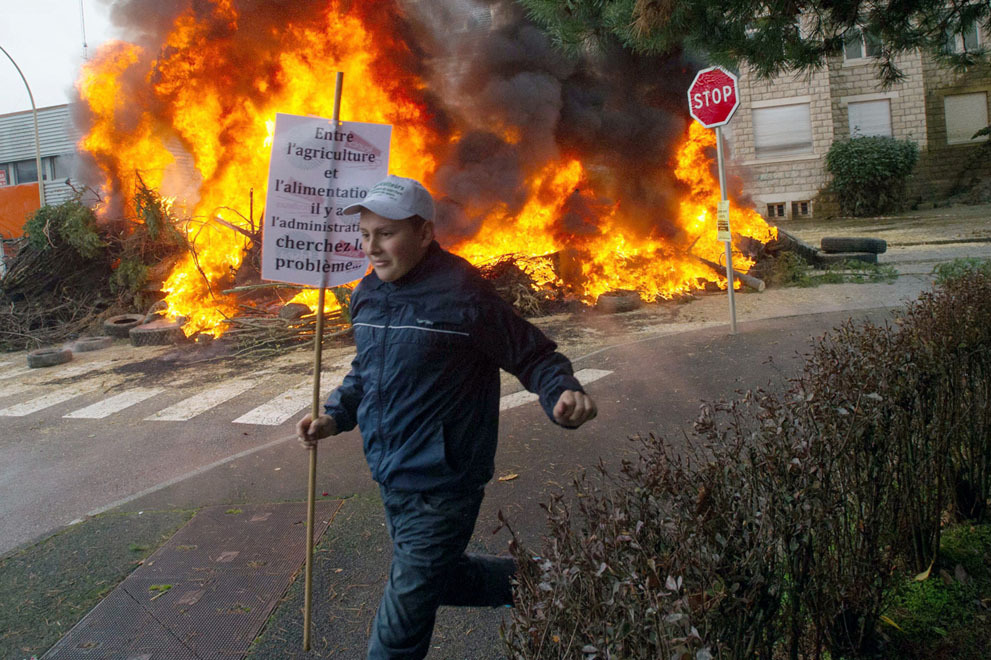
pixel 37 140
pixel 82 22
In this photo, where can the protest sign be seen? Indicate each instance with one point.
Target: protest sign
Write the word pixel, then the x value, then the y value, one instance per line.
pixel 317 168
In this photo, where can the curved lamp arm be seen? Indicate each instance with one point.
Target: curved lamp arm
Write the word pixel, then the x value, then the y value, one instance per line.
pixel 37 140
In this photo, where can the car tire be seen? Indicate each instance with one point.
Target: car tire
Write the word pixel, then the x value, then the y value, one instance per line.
pixel 834 244
pixel 157 333
pixel 48 357
pixel 824 259
pixel 613 302
pixel 120 326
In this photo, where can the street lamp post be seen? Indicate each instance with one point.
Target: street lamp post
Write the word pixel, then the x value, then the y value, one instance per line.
pixel 37 140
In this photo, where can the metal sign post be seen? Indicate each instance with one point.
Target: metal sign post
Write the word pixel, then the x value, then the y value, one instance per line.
pixel 727 239
pixel 712 100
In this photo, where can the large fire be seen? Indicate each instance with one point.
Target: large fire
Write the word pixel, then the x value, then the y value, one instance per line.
pixel 206 93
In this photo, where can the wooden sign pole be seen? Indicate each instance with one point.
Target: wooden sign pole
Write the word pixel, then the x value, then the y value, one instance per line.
pixel 315 412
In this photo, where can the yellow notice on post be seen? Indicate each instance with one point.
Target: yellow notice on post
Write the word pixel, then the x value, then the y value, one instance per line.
pixel 722 221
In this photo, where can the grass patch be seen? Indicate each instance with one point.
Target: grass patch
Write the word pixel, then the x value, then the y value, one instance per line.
pixel 961 267
pixel 46 588
pixel 949 614
pixel 792 270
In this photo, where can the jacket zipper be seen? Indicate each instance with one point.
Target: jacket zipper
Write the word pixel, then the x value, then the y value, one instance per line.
pixel 378 389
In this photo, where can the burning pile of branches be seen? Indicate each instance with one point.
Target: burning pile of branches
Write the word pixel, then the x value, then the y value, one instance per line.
pixel 512 277
pixel 72 271
pixel 267 327
pixel 51 290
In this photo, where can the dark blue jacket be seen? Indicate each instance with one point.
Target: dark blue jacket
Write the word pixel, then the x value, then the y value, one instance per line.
pixel 424 385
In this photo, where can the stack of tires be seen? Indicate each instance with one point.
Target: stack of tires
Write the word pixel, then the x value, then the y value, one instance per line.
pixel 838 249
pixel 120 326
pixel 144 332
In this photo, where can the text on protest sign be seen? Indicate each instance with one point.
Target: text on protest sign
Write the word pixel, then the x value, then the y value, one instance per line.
pixel 316 170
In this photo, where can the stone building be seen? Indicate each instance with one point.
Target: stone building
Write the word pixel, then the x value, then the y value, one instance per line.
pixel 785 126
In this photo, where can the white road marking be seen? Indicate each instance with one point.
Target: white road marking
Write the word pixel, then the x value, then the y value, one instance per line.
pixel 272 413
pixel 55 373
pixel 16 372
pixel 115 404
pixel 13 388
pixel 291 402
pixel 47 400
pixel 200 403
pixel 586 376
pixel 78 369
pixel 516 399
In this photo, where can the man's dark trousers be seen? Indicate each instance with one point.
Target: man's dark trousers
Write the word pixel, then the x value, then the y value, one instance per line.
pixel 430 532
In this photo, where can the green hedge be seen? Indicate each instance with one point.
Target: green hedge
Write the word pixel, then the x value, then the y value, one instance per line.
pixel 869 173
pixel 785 524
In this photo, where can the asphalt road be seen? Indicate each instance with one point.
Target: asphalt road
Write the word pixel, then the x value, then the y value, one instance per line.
pixel 118 425
pixel 156 430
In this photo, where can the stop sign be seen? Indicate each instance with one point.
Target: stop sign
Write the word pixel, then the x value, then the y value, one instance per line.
pixel 712 96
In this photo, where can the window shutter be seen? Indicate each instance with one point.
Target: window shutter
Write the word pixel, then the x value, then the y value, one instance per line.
pixel 868 118
pixel 965 115
pixel 783 130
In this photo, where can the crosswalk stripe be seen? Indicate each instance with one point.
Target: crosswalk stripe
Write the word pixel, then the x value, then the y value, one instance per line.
pixel 66 372
pixel 200 403
pixel 291 402
pixel 47 400
pixel 272 413
pixel 281 408
pixel 16 372
pixel 586 376
pixel 78 369
pixel 116 403
pixel 516 399
pixel 13 388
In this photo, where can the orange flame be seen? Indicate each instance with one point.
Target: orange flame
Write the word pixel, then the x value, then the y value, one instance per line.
pixel 205 99
pixel 614 258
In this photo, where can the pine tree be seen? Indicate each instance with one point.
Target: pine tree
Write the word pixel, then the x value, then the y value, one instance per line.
pixel 771 36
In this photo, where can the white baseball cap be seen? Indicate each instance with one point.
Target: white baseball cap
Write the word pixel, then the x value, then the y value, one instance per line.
pixel 396 198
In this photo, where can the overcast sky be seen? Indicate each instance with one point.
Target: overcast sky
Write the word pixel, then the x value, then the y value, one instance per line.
pixel 45 38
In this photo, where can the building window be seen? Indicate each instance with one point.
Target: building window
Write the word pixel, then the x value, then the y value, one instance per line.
pixel 858 46
pixel 967 41
pixel 965 115
pixel 784 130
pixel 63 165
pixel 869 118
pixel 801 209
pixel 26 171
pixel 776 210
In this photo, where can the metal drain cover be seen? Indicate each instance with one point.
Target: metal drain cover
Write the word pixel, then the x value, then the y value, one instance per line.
pixel 206 593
